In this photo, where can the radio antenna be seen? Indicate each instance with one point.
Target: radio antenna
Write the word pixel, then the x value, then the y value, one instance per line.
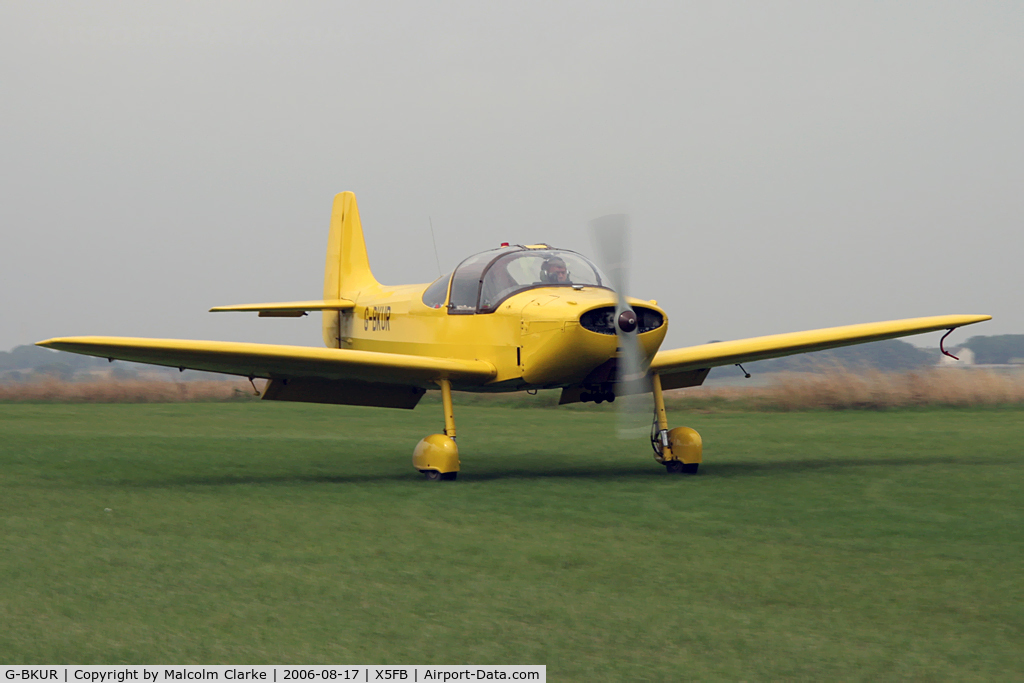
pixel 434 240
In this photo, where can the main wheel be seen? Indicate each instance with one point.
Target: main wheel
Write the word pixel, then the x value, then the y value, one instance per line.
pixel 690 468
pixel 432 475
pixel 674 466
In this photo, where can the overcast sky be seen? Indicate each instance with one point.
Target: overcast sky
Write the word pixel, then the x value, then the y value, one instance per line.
pixel 786 166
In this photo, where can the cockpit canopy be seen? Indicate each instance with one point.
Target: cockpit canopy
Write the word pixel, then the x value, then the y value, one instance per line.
pixel 483 281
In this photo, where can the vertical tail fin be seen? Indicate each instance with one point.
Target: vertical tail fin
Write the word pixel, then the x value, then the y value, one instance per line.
pixel 348 268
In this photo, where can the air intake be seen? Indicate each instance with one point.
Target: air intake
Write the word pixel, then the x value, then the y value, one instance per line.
pixel 602 320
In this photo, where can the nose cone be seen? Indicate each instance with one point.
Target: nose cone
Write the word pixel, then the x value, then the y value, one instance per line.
pixel 627 321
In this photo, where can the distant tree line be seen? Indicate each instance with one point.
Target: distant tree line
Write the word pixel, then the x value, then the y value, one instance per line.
pixel 38 360
pixel 998 349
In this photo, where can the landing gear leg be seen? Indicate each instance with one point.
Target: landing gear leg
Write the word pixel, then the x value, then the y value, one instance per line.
pixel 662 447
pixel 437 456
pixel 449 413
pixel 679 449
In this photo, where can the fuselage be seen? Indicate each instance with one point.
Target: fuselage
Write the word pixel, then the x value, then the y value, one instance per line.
pixel 534 338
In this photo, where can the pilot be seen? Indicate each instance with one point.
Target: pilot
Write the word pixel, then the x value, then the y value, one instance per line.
pixel 553 272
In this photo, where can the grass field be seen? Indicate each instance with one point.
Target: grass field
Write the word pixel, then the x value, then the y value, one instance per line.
pixel 853 545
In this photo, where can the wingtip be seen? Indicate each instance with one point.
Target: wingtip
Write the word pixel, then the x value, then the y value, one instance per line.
pixel 58 342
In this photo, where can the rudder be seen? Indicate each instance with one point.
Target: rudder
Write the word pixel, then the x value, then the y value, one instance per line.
pixel 348 268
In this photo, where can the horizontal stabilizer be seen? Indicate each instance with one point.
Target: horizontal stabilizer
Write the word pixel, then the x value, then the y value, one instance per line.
pixel 289 309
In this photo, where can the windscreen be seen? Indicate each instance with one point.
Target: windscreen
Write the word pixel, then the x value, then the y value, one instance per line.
pixel 526 269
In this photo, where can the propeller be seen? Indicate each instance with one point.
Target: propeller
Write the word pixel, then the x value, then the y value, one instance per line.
pixel 610 235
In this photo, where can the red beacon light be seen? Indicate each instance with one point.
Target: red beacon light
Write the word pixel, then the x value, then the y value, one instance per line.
pixel 504 244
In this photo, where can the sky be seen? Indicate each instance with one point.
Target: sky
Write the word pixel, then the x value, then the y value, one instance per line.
pixel 786 166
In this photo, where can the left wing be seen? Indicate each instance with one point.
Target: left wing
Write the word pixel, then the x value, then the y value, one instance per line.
pixel 705 356
pixel 274 361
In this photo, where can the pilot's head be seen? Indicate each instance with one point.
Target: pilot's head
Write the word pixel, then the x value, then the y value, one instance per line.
pixel 553 271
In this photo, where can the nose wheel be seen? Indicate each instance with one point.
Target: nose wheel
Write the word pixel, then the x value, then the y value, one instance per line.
pixel 681 449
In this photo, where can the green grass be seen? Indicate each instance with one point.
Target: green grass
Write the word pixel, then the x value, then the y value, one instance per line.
pixel 857 545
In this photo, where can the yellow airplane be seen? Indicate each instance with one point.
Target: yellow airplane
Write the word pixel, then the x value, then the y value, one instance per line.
pixel 520 317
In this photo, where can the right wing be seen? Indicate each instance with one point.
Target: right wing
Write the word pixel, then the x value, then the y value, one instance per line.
pixel 274 361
